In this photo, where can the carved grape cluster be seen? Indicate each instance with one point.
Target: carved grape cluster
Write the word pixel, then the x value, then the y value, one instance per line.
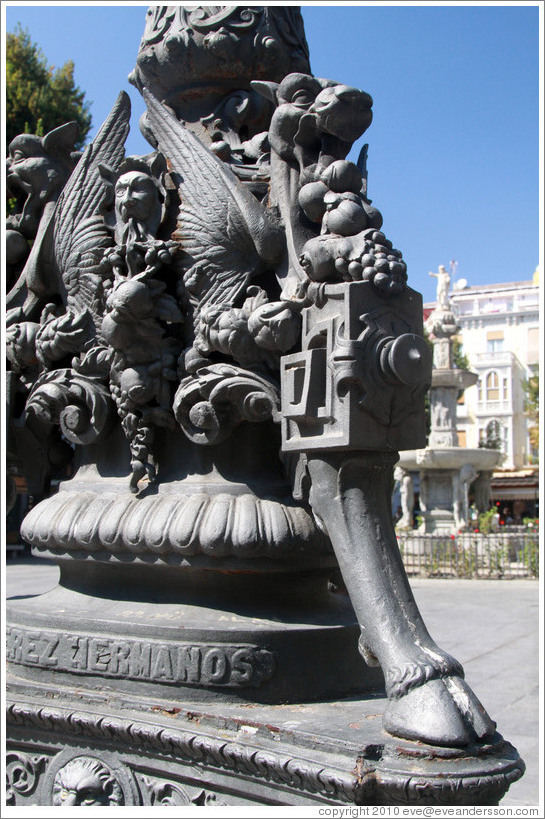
pixel 368 256
pixel 379 262
pixel 351 246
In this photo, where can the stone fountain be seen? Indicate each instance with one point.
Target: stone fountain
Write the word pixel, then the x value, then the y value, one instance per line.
pixel 446 469
pixel 225 336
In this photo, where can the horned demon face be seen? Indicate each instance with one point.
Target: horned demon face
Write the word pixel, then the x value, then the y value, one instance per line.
pixel 136 197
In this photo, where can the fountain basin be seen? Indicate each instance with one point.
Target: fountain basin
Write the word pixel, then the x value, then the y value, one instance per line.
pixel 461 379
pixel 450 458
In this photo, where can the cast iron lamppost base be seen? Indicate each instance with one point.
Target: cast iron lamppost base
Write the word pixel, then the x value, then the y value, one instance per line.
pixel 226 339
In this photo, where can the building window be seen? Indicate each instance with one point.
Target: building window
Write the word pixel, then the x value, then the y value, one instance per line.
pixel 497 305
pixel 494 341
pixel 492 386
pixel 505 389
pixel 532 448
pixel 494 345
pixel 479 390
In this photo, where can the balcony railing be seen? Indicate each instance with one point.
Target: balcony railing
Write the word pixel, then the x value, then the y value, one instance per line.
pixel 486 307
pixel 494 407
pixel 502 358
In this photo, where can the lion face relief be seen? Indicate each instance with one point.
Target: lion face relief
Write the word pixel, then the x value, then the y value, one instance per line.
pixel 86 781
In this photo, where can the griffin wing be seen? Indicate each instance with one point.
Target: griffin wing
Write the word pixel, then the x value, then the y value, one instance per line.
pixel 77 236
pixel 223 229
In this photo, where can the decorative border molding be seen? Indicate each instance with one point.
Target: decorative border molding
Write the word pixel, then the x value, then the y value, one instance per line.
pixel 194 748
pixel 446 790
pixel 371 781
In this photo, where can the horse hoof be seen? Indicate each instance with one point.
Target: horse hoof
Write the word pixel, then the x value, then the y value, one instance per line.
pixel 442 712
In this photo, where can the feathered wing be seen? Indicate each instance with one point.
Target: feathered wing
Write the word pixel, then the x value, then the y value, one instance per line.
pixel 223 229
pixel 77 235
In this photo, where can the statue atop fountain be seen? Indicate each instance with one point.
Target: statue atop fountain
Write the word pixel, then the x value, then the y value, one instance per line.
pixel 443 287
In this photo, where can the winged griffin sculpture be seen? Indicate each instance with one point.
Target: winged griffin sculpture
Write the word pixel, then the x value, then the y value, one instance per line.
pixel 164 290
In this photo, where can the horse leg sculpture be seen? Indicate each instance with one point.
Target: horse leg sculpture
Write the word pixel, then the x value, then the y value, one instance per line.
pixel 428 697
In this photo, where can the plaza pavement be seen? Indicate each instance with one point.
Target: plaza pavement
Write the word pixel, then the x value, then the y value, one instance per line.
pixel 490 626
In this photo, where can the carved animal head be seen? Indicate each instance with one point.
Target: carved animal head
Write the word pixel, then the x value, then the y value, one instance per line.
pixel 37 170
pixel 21 345
pixel 86 781
pixel 321 256
pixel 308 108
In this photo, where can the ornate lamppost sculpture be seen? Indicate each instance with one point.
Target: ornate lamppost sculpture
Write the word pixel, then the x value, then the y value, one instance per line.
pixel 226 337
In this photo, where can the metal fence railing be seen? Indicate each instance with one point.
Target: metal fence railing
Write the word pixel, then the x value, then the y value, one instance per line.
pixel 496 555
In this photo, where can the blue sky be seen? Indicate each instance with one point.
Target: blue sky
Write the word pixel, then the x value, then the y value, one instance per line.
pixel 454 144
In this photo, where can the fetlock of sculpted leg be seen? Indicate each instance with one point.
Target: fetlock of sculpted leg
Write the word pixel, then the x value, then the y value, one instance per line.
pixel 428 699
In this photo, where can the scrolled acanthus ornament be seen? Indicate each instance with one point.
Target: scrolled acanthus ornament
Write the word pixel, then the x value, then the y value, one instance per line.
pixel 81 406
pixel 209 405
pixel 22 774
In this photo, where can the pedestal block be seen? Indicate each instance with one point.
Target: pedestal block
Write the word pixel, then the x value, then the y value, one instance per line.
pixel 106 749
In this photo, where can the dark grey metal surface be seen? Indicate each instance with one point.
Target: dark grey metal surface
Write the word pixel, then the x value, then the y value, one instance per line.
pixel 225 336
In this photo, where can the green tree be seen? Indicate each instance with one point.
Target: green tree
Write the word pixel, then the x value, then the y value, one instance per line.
pixel 40 97
pixel 531 408
pixel 459 358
